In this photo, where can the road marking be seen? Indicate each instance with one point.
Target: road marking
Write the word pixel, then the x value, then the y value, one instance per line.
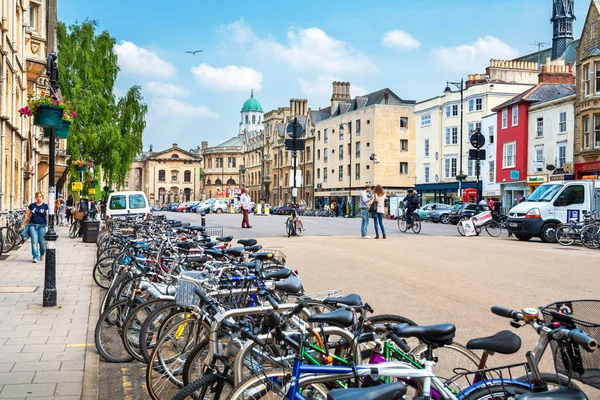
pixel 79 344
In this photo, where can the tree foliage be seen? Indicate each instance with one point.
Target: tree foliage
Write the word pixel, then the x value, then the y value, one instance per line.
pixel 110 130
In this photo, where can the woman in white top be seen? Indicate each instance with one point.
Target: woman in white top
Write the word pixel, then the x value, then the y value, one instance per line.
pixel 379 199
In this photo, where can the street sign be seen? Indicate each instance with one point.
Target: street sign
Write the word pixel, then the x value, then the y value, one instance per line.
pixel 294 129
pixel 476 154
pixel 92 191
pixel 477 140
pixel 76 186
pixel 289 144
pixel 514 174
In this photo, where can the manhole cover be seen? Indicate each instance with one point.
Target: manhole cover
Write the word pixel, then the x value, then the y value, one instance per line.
pixel 18 289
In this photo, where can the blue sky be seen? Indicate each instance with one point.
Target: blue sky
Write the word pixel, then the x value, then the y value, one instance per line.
pixel 284 50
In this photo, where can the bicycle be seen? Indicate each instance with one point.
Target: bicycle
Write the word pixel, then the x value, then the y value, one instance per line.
pixel 402 224
pixel 293 225
pixel 567 234
pixel 75 229
pixel 492 227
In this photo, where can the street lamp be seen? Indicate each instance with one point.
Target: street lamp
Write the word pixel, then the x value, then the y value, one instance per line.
pixel 350 201
pixel 447 91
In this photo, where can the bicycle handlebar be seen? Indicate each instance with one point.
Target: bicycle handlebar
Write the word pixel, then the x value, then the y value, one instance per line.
pixel 577 336
pixel 507 313
pixel 399 342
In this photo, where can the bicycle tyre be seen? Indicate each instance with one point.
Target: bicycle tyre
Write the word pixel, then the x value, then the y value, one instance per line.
pixel 133 325
pixel 563 235
pixel 493 229
pixel 102 273
pixel 497 392
pixel 299 228
pixel 14 237
pixel 416 224
pixel 1 242
pixel 589 236
pixel 560 381
pixel 453 356
pixel 74 229
pixel 152 328
pixel 196 356
pixel 392 319
pixel 460 228
pixel 266 380
pixel 7 245
pixel 402 226
pixel 111 347
pixel 205 382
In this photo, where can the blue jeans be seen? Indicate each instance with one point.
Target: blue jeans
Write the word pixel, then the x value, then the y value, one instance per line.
pixel 364 224
pixel 378 217
pixel 409 213
pixel 36 232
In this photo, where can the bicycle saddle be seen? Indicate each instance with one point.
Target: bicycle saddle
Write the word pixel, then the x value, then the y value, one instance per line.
pixel 224 239
pixel 263 255
pixel 253 249
pixel 292 285
pixel 562 394
pixel 440 334
pixel 282 273
pixel 391 391
pixel 234 251
pixel 340 317
pixel 247 242
pixel 349 300
pixel 504 342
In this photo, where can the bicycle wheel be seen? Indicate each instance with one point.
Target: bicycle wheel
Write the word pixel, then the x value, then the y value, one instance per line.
pixel 416 224
pixel 164 372
pixel 208 386
pixel 589 236
pixel 460 228
pixel 497 391
pixel 379 323
pixel 1 242
pixel 153 327
pixel 74 230
pixel 103 272
pixel 554 381
pixel 402 226
pixel 13 237
pixel 6 243
pixel 270 385
pixel 133 326
pixel 299 228
pixel 107 334
pixel 565 235
pixel 493 229
pixel 448 359
pixel 288 227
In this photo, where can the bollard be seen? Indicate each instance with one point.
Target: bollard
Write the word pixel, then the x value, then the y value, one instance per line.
pixel 203 219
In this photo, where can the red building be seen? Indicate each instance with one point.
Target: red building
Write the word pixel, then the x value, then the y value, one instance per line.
pixel 512 127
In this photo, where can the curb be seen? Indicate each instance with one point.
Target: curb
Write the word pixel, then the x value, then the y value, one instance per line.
pixel 91 374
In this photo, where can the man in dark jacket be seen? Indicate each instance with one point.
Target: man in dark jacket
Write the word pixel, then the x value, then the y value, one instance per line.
pixel 412 203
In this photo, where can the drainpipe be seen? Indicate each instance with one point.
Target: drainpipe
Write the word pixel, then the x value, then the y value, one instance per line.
pixel 22 120
pixel 12 112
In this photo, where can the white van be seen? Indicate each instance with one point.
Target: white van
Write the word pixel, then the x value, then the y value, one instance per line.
pixel 124 204
pixel 551 204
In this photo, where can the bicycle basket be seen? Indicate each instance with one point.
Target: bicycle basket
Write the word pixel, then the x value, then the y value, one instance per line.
pixel 185 295
pixel 579 364
pixel 278 256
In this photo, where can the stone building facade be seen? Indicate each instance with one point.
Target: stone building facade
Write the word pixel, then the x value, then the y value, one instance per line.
pixel 221 168
pixel 368 139
pixel 172 175
pixel 28 34
pixel 587 97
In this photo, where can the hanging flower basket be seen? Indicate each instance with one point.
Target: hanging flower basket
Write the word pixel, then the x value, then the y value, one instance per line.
pixel 460 177
pixel 60 133
pixel 80 166
pixel 94 182
pixel 48 116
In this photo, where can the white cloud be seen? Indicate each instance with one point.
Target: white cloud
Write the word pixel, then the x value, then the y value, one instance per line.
pixel 308 49
pixel 400 39
pixel 231 78
pixel 472 57
pixel 179 110
pixel 139 61
pixel 165 89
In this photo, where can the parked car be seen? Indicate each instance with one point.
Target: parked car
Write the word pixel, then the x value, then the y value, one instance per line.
pixel 461 210
pixel 181 206
pixel 204 206
pixel 191 207
pixel 441 213
pixel 425 211
pixel 221 206
pixel 173 206
pixel 155 208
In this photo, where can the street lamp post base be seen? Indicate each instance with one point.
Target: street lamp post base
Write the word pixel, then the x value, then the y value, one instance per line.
pixel 49 299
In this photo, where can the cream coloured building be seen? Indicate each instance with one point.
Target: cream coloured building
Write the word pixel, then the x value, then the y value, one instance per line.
pixel 28 34
pixel 376 145
pixel 172 175
pixel 221 167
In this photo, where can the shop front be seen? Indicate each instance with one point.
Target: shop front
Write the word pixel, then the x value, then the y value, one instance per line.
pixel 343 204
pixel 533 181
pixel 512 192
pixel 445 193
pixel 587 170
pixel 562 177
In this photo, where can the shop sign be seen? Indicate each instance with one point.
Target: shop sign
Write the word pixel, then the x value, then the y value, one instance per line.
pixel 537 179
pixel 587 167
pixel 76 186
pixel 515 174
pixel 341 193
pixel 562 177
pixel 491 193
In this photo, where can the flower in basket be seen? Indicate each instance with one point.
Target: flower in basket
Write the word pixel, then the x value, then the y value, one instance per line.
pixel 78 163
pixel 36 101
pixel 68 114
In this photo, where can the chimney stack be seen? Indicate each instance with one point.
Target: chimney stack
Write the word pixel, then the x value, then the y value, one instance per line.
pixel 174 145
pixel 341 92
pixel 204 145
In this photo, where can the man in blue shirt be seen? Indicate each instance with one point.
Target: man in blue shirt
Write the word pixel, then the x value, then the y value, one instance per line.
pixel 365 201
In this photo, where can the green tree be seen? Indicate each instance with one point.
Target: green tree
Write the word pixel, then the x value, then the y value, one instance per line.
pixel 110 130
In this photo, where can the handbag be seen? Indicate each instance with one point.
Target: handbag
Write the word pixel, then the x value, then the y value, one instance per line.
pixel 373 206
pixel 78 215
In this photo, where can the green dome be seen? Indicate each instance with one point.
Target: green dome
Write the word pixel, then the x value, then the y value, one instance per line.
pixel 252 104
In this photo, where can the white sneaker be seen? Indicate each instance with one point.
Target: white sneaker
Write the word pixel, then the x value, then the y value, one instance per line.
pixel 367 237
pixel 35 260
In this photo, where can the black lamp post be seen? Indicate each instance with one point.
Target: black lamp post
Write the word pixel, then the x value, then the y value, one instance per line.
pixel 49 296
pixel 447 91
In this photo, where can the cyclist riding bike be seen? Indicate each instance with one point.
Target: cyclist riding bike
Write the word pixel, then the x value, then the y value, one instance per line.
pixel 412 203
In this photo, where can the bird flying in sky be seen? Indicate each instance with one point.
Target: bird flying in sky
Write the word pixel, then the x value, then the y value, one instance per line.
pixel 194 52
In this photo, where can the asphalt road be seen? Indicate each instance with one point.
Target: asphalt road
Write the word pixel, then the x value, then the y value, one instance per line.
pixel 437 276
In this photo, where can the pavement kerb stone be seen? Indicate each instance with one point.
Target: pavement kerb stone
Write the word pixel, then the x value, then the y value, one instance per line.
pixel 91 389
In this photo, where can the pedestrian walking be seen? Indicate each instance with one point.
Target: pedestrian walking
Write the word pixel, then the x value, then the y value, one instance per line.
pixel 246 203
pixel 379 200
pixel 491 204
pixel 62 212
pixel 70 203
pixel 365 202
pixel 103 208
pixel 35 225
pixel 59 201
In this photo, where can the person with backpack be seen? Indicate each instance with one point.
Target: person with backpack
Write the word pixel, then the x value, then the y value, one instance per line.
pixel 412 203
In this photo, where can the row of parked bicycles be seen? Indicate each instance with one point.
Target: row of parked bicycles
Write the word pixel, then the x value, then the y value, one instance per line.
pixel 586 232
pixel 209 320
pixel 9 231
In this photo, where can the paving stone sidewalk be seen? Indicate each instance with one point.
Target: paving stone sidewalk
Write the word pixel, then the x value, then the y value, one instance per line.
pixel 43 350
